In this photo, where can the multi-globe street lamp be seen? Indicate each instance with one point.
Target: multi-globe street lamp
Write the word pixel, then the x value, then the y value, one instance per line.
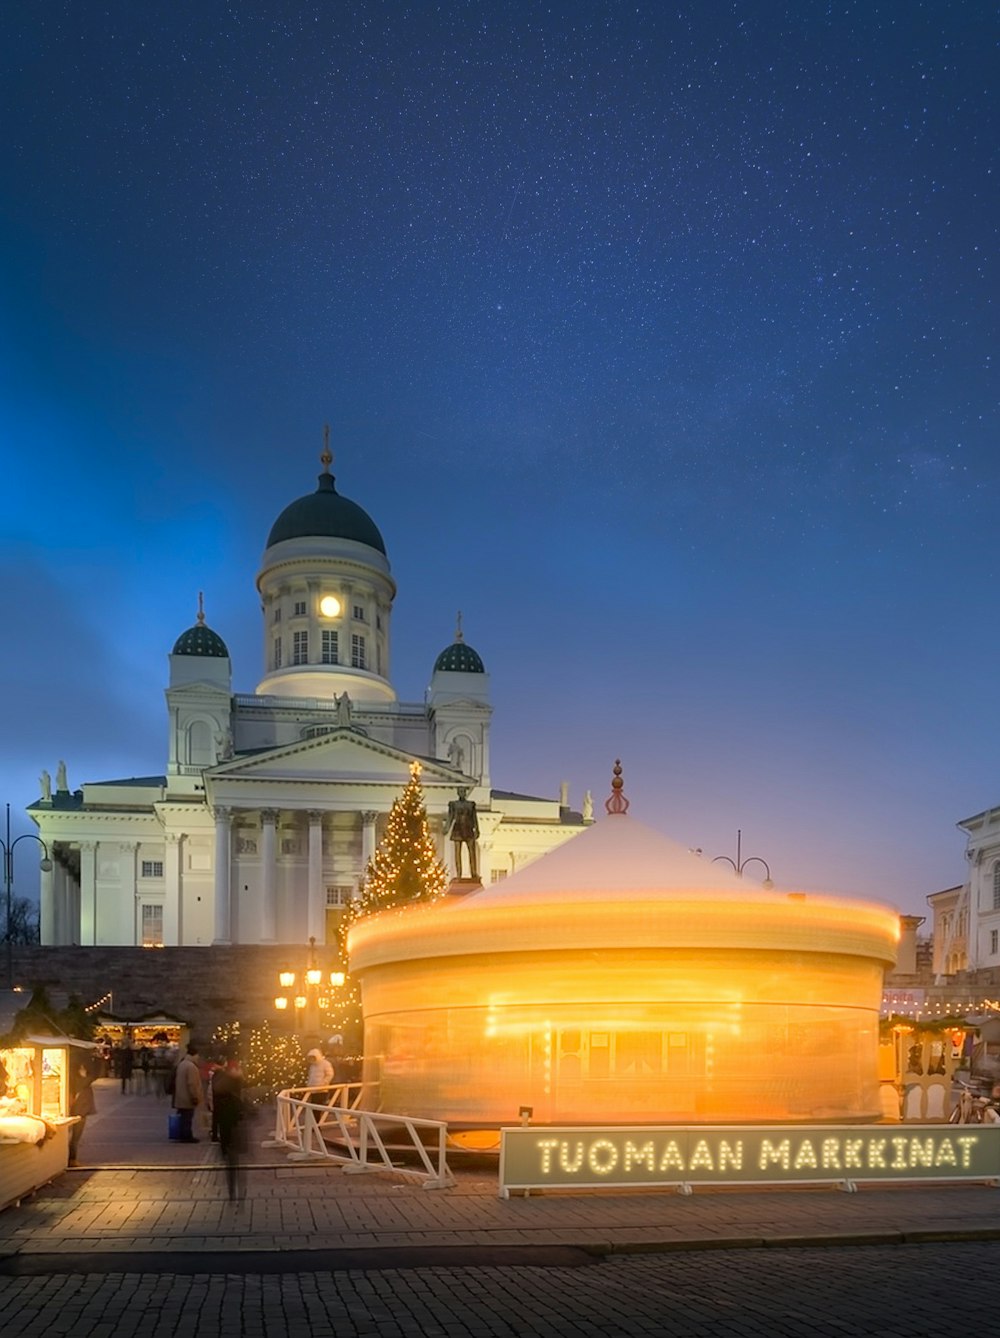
pixel 310 998
pixel 8 876
pixel 740 864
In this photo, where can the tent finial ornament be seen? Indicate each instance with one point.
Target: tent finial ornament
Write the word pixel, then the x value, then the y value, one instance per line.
pixel 617 803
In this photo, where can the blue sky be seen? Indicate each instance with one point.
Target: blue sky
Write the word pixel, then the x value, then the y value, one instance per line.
pixel 659 340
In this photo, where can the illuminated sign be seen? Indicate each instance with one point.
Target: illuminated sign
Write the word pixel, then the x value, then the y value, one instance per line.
pixel 589 1158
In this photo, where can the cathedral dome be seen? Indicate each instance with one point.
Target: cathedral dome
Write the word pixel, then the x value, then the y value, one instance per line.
pixel 459 658
pixel 201 640
pixel 324 513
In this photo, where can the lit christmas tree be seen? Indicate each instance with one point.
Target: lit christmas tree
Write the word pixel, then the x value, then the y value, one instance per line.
pixel 405 868
pixel 271 1061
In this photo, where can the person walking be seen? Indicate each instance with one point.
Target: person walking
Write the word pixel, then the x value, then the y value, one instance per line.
pixel 320 1069
pixel 84 1066
pixel 230 1116
pixel 143 1069
pixel 187 1093
pixel 127 1061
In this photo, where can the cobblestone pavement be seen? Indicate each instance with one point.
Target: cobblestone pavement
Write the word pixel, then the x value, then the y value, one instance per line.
pixel 142 1239
pixel 849 1292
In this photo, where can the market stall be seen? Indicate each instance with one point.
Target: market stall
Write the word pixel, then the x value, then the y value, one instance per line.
pixel 34 1113
pixel 152 1029
pixel 919 1059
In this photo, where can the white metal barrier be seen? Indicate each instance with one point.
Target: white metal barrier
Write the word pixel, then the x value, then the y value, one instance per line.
pixel 324 1123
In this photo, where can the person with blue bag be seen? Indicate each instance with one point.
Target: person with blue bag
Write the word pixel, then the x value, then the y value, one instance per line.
pixel 187 1093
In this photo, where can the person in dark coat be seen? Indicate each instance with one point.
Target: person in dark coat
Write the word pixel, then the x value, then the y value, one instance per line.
pixel 83 1070
pixel 127 1062
pixel 229 1116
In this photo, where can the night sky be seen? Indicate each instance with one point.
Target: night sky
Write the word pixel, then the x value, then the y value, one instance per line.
pixel 655 337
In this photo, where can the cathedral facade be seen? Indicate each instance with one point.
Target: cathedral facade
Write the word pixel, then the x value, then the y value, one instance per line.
pixel 274 800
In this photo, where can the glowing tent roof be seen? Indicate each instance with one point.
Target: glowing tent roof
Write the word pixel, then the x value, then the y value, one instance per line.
pixel 616 857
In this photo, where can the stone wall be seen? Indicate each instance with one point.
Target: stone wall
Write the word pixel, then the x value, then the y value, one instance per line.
pixel 204 986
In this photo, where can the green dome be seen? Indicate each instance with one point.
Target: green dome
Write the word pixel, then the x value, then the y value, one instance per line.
pixel 201 640
pixel 459 659
pixel 325 514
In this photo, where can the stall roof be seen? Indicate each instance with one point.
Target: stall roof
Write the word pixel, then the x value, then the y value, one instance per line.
pixel 56 1040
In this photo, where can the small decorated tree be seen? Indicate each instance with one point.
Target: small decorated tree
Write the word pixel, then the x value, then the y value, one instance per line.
pixel 271 1060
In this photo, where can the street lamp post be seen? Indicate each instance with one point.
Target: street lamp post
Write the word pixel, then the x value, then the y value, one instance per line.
pixel 740 864
pixel 8 878
pixel 310 997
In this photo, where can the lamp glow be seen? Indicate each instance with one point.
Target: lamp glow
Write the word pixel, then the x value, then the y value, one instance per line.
pixel 286 979
pixel 281 1003
pixel 329 606
pixel 336 979
pixel 300 1001
pixel 314 975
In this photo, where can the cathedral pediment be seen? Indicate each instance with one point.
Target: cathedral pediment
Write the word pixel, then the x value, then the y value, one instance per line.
pixel 345 755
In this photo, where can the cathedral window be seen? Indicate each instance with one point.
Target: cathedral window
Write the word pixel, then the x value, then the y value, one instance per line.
pixel 277 652
pixel 994 941
pixel 152 925
pixel 996 886
pixel 358 654
pixel 300 608
pixel 277 615
pixel 359 612
pixel 152 868
pixel 329 648
pixel 497 875
pixel 300 648
pixel 338 896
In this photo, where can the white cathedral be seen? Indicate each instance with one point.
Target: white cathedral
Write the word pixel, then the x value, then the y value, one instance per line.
pixel 274 801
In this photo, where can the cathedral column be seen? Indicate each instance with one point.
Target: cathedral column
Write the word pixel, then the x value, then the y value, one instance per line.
pixel 369 818
pixel 268 869
pixel 47 904
pixel 316 921
pixel 131 902
pixel 88 893
pixel 223 876
pixel 61 905
pixel 172 889
pixel 486 861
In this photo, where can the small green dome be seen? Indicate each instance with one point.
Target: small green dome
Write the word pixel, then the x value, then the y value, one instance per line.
pixel 201 640
pixel 459 658
pixel 325 514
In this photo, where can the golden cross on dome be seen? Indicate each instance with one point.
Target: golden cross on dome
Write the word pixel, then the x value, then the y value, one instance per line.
pixel 326 459
pixel 201 609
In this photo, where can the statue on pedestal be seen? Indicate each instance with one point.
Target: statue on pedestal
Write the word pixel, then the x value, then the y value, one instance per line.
pixel 62 784
pixel 463 829
pixel 45 781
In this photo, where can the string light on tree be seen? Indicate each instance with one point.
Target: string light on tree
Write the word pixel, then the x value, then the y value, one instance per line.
pixel 404 869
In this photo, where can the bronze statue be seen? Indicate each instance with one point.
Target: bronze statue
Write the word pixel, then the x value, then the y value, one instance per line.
pixel 463 828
